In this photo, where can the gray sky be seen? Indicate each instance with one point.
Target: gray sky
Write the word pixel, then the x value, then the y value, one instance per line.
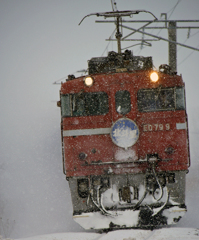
pixel 40 43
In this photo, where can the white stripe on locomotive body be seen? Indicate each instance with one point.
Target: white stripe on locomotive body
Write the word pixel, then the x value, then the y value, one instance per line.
pixel 181 125
pixel 97 131
pixel 83 132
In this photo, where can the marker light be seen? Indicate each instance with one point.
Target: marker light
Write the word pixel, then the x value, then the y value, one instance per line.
pixel 154 77
pixel 88 81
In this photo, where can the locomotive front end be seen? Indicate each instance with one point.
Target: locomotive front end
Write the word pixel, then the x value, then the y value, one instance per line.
pixel 125 143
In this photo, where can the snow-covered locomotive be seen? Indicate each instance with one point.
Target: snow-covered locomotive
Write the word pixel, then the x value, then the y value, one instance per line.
pixel 125 143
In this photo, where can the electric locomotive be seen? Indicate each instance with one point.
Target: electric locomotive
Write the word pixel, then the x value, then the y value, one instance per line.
pixel 125 143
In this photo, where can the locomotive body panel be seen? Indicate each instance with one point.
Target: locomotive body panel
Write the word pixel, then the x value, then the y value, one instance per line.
pixel 88 147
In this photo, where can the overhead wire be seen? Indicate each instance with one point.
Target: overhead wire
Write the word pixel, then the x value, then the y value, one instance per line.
pixel 114 8
pixel 171 10
pixel 194 34
pixel 186 38
pixel 108 42
pixel 187 57
pixel 189 53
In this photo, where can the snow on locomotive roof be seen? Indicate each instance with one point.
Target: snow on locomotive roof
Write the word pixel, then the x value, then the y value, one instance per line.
pixel 119 61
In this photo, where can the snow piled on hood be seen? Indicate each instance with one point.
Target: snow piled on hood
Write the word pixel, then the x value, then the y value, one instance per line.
pixel 132 234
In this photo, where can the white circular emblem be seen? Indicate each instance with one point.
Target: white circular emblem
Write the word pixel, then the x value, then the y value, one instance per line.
pixel 124 133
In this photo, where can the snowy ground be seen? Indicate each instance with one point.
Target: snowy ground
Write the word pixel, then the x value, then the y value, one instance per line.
pixel 160 234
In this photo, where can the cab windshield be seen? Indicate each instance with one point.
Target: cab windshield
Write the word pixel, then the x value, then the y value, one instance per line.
pixel 84 104
pixel 161 99
pixel 123 102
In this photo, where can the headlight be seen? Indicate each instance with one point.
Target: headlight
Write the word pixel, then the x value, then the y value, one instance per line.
pixel 154 77
pixel 88 81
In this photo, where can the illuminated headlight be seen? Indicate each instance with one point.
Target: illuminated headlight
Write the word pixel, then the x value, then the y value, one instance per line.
pixel 154 77
pixel 88 81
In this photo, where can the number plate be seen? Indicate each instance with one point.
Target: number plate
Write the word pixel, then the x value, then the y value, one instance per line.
pixel 156 127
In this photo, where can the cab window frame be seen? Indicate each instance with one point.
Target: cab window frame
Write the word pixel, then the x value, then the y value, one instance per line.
pixel 155 101
pixel 123 102
pixel 84 104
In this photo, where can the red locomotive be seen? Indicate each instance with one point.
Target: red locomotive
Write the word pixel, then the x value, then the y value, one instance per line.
pixel 125 143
